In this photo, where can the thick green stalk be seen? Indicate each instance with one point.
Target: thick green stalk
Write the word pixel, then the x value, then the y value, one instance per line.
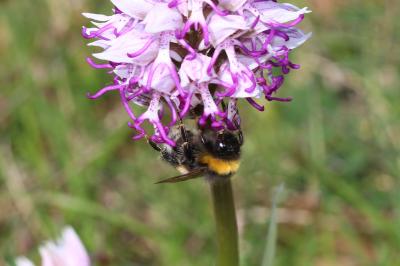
pixel 225 218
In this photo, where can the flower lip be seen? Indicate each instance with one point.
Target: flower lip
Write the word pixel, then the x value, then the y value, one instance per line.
pixel 153 116
pixel 196 20
pixel 211 110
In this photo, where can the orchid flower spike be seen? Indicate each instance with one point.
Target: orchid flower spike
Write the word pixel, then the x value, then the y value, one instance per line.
pixel 66 251
pixel 168 57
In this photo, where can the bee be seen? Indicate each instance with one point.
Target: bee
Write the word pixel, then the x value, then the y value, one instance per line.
pixel 201 152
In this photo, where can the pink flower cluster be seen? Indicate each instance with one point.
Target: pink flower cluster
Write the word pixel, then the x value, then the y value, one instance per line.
pixel 171 56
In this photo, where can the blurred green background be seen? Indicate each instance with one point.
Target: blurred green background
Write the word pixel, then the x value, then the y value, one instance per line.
pixel 67 160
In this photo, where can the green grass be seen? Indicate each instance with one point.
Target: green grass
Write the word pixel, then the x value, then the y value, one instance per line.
pixel 68 160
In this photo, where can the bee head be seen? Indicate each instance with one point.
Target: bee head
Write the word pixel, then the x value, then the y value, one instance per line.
pixel 223 145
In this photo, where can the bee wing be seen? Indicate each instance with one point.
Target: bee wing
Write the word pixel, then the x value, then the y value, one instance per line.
pixel 180 178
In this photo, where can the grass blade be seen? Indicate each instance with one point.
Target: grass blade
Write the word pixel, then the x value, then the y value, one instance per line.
pixel 269 253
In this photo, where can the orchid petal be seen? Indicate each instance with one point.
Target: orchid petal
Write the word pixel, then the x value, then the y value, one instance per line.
pixel 134 8
pixel 296 38
pixel 128 43
pixel 232 5
pixel 97 17
pixel 279 13
pixel 222 27
pixel 196 70
pixel 162 18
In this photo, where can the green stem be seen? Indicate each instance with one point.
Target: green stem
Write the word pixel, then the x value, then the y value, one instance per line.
pixel 225 218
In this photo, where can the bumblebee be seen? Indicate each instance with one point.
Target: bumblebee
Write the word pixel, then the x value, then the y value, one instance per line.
pixel 201 152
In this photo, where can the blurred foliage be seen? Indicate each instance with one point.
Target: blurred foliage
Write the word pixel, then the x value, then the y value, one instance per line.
pixel 68 160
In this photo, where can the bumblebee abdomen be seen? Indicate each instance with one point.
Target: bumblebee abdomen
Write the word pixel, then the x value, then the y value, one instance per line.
pixel 218 166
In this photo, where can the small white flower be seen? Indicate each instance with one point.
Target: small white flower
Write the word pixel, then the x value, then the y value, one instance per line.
pixel 22 261
pixel 66 251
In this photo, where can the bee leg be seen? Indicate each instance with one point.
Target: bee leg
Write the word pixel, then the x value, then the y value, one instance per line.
pixel 184 134
pixel 240 133
pixel 169 158
pixel 165 155
pixel 153 144
pixel 223 105
pixel 187 148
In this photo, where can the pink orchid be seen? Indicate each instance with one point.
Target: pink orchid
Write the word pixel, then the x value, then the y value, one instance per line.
pixel 171 56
